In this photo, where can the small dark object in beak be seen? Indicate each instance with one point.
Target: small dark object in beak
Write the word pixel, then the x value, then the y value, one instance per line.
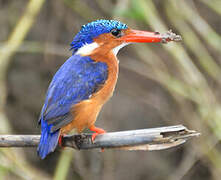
pixel 170 36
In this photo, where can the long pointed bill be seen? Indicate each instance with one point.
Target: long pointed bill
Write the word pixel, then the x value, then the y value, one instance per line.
pixel 149 37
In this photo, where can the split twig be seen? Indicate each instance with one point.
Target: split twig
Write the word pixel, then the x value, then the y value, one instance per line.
pixel 144 139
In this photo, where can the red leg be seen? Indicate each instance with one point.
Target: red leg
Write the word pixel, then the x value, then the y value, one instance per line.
pixel 60 140
pixel 97 131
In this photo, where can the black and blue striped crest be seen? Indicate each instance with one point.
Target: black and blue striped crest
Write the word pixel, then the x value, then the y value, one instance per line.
pixel 92 30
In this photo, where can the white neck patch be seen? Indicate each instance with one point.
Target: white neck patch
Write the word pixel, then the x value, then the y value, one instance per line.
pixel 87 49
pixel 116 49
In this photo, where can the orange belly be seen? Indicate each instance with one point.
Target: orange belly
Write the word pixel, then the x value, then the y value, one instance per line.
pixel 85 113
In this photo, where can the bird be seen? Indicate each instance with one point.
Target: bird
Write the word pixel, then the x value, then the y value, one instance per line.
pixel 86 81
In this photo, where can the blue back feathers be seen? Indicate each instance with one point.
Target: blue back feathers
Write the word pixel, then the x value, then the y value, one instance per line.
pixel 92 30
pixel 77 79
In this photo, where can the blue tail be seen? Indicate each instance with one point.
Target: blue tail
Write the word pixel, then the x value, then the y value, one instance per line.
pixel 48 141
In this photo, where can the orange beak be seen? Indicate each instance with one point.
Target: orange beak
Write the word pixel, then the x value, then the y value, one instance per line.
pixel 137 36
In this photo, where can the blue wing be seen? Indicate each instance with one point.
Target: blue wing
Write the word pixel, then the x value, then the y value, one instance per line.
pixel 77 79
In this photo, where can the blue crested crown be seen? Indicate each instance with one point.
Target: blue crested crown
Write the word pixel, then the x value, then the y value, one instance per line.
pixel 92 30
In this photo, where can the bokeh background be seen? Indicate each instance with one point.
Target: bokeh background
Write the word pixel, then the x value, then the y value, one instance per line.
pixel 159 85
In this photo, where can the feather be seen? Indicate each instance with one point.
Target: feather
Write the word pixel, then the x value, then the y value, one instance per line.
pixel 48 141
pixel 76 80
pixel 92 30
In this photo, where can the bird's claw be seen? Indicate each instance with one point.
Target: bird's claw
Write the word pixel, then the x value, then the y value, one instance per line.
pixel 97 131
pixel 60 140
pixel 93 136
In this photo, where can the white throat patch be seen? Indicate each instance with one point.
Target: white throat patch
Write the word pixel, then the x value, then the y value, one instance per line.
pixel 87 49
pixel 116 49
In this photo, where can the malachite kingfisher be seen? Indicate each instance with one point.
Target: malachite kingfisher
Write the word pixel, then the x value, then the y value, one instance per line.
pixel 86 81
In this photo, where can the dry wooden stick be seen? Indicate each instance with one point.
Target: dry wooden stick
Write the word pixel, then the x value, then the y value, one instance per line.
pixel 144 139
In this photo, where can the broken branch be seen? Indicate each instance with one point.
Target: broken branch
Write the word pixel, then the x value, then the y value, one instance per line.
pixel 143 139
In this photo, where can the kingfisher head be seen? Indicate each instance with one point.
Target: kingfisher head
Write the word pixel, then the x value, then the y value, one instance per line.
pixel 109 35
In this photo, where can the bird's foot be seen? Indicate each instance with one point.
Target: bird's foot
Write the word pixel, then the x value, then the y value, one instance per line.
pixel 102 150
pixel 60 143
pixel 97 131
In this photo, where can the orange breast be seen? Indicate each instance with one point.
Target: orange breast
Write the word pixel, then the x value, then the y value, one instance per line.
pixel 85 113
pixel 107 90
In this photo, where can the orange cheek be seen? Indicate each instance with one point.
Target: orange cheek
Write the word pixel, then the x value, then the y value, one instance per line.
pixel 107 42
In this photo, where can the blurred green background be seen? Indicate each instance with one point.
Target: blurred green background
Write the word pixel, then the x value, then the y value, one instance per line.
pixel 159 85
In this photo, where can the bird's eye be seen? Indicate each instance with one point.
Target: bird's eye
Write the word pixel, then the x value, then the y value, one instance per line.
pixel 116 32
